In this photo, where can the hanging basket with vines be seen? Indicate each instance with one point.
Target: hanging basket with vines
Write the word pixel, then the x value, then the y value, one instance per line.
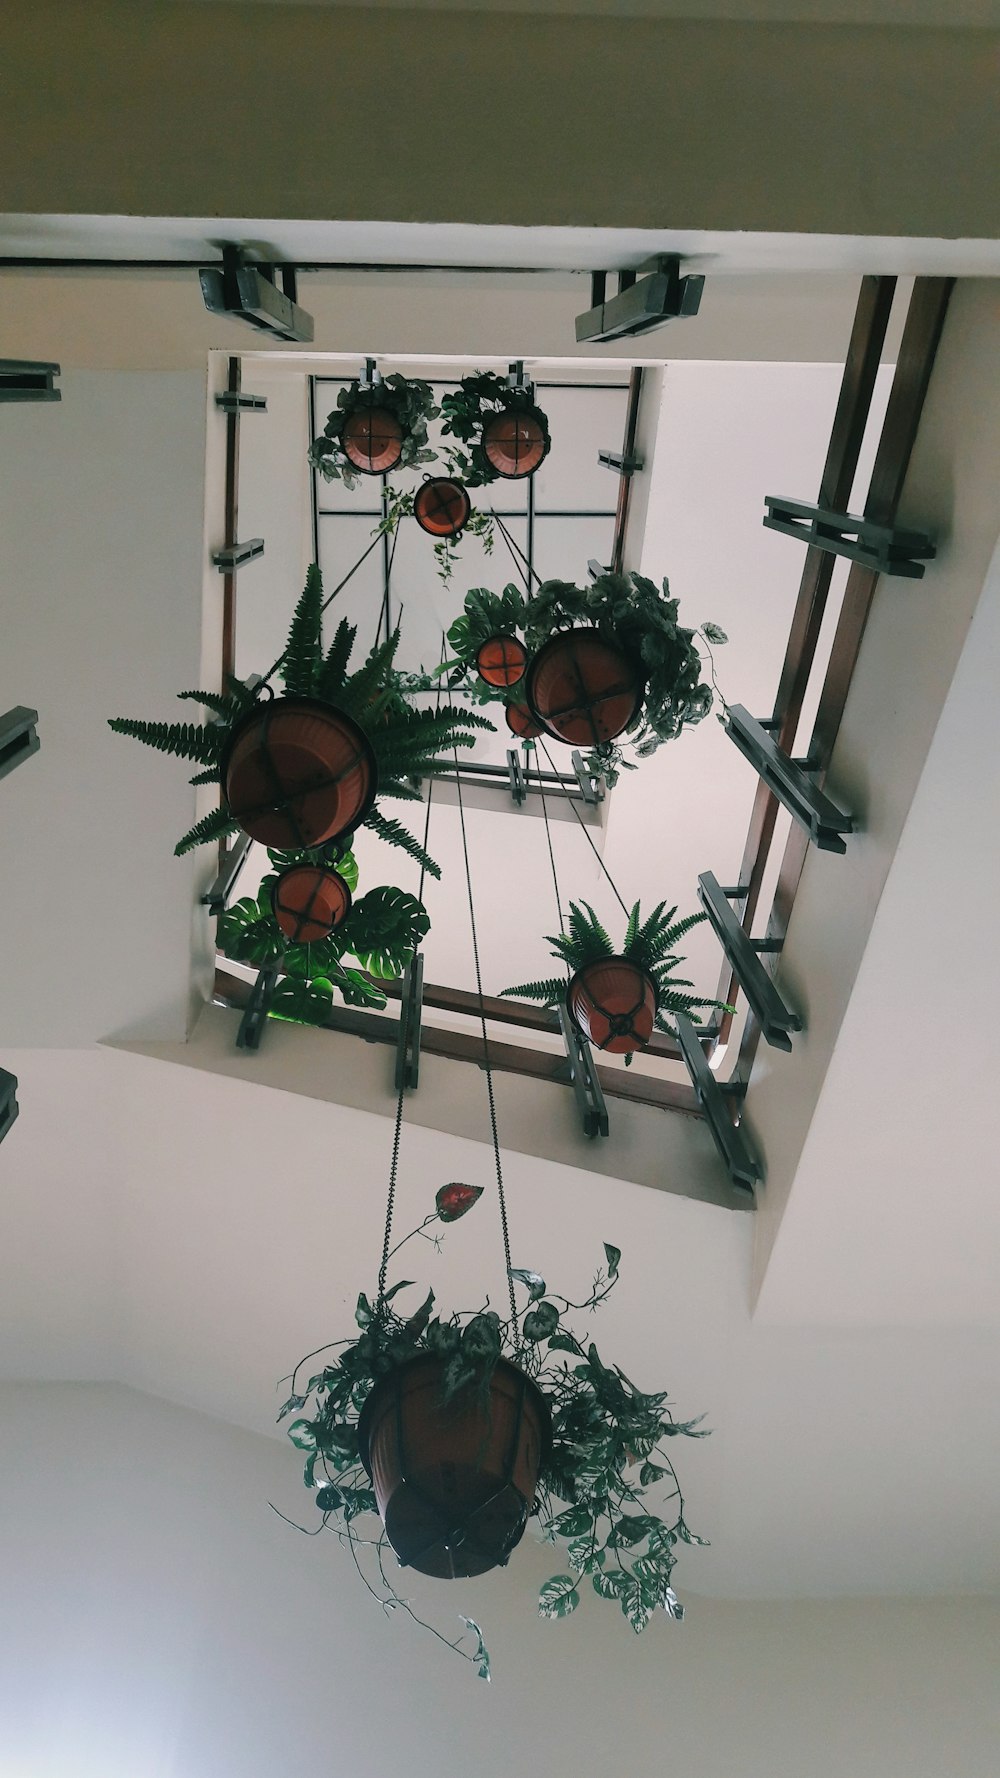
pixel 374 428
pixel 501 432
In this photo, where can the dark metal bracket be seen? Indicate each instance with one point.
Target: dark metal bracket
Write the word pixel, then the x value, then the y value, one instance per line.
pixel 18 737
pixel 583 1076
pixel 237 401
pixel 620 463
pixel 216 899
pixel 8 1101
pixel 589 789
pixel 247 290
pixel 516 378
pixel 883 548
pixel 776 1020
pixel 237 555
pixel 595 569
pixel 788 780
pixel 28 381
pixel 515 772
pixel 742 1165
pixel 255 1017
pixel 641 302
pixel 411 1006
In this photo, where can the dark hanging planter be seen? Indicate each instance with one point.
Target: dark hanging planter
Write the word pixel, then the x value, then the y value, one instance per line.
pixel 298 773
pixel 614 1004
pixel 310 902
pixel 501 661
pixel 454 1482
pixel 521 722
pixel 583 689
pixel 372 440
pixel 516 442
pixel 441 506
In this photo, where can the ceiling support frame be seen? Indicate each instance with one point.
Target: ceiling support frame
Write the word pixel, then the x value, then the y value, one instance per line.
pixel 255 1012
pixel 883 547
pixel 584 1079
pixel 28 380
pixel 716 1100
pixel 411 1003
pixel 777 1021
pixel 18 737
pixel 789 780
pixel 9 1107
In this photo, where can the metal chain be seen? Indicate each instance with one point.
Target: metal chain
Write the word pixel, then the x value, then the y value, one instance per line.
pixel 515 1334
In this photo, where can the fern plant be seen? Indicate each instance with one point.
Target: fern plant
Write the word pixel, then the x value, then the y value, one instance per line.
pixel 649 946
pixel 405 741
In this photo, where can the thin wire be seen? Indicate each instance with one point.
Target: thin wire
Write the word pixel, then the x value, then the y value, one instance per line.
pixel 384 607
pixel 588 839
pixel 548 836
pixel 512 546
pixel 515 1336
pixel 327 601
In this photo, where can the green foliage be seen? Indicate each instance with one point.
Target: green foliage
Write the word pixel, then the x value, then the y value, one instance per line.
pixel 186 740
pixel 303 657
pixel 608 1491
pixel 409 399
pixel 465 411
pixel 216 826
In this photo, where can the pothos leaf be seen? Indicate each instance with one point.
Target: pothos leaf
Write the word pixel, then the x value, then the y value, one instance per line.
pixel 539 1323
pixel 481 1656
pixel 533 1280
pixel 558 1597
pixel 452 1201
pixel 613 1255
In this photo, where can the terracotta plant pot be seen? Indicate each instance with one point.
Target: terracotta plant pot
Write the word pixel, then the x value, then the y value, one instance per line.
pixel 372 439
pixel 521 722
pixel 297 773
pixel 455 1483
pixel 582 689
pixel 310 902
pixel 502 660
pixel 441 506
pixel 614 1004
pixel 514 443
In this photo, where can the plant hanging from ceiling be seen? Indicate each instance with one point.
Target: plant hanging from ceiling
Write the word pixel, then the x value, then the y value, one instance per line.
pixel 379 424
pixel 305 922
pixel 616 998
pixel 502 433
pixel 443 509
pixel 456 1428
pixel 305 769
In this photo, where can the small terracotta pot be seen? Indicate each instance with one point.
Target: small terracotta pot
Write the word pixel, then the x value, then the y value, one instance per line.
pixel 514 443
pixel 372 439
pixel 309 902
pixel 521 722
pixel 455 1483
pixel 297 773
pixel 614 1004
pixel 442 506
pixel 582 689
pixel 501 660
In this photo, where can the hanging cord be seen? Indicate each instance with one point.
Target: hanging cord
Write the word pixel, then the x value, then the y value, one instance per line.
pixel 383 615
pixel 548 836
pixel 515 1334
pixel 587 837
pixel 526 570
pixel 269 675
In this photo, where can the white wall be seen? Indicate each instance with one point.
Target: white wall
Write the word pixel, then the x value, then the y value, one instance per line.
pixel 158 1621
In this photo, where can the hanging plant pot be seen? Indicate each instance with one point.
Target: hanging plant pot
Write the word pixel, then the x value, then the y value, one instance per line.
pixel 372 440
pixel 310 902
pixel 297 773
pixel 441 506
pixel 454 1483
pixel 614 1004
pixel 521 722
pixel 501 660
pixel 515 442
pixel 582 689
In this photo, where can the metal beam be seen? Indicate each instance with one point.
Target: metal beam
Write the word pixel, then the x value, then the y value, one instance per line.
pixel 788 780
pixel 515 776
pixel 230 401
pixel 28 380
pixel 644 303
pixel 8 1101
pixel 584 1078
pixel 410 1013
pixel 742 1165
pixel 255 1016
pixel 18 737
pixel 237 555
pixel 776 1020
pixel 882 547
pixel 216 899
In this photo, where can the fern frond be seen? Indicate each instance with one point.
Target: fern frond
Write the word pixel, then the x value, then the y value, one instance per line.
pixel 588 940
pixel 363 686
pixel 216 826
pixel 389 829
pixel 187 740
pixel 630 931
pixel 211 776
pixel 398 788
pixel 334 669
pixel 550 992
pixel 672 935
pixel 221 704
pixel 301 663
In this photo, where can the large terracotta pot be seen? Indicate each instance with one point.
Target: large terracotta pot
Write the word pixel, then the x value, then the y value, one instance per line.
pixel 521 722
pixel 501 661
pixel 310 902
pixel 514 443
pixel 614 1004
pixel 441 506
pixel 455 1483
pixel 297 773
pixel 372 439
pixel 583 689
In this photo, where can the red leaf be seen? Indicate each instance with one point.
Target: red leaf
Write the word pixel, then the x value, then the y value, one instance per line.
pixel 454 1200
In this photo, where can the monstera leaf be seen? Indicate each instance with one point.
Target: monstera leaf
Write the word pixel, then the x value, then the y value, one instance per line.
pixel 248 931
pixel 383 929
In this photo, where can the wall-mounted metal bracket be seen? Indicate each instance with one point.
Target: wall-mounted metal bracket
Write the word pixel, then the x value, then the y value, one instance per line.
pixel 8 1101
pixel 27 380
pixel 641 302
pixel 583 1076
pixel 18 737
pixel 882 547
pixel 255 1017
pixel 823 821
pixel 247 290
pixel 518 787
pixel 590 787
pixel 776 1020
pixel 595 569
pixel 237 555
pixel 216 899
pixel 237 401
pixel 411 1006
pixel 742 1165
pixel 620 463
pixel 516 378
